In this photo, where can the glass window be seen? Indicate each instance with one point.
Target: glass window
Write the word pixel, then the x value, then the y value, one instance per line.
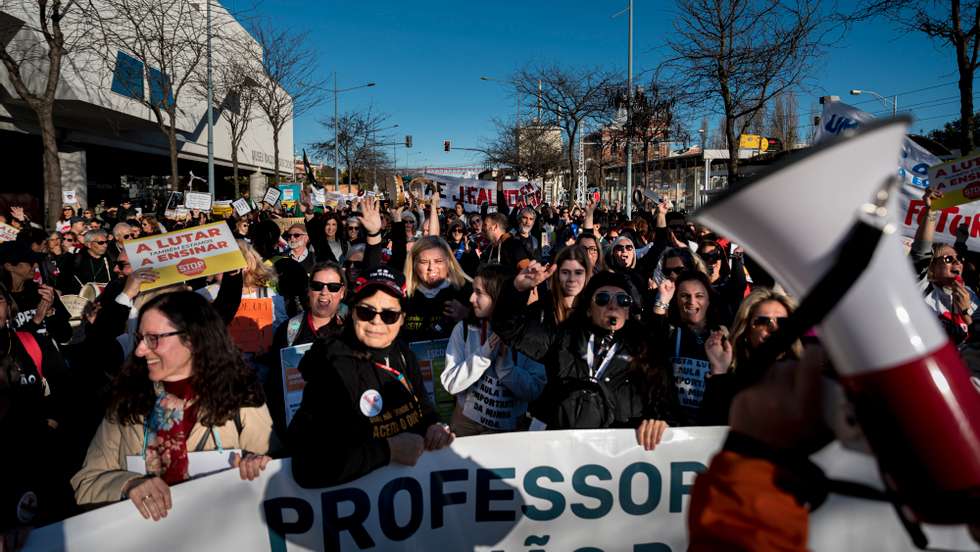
pixel 127 79
pixel 160 83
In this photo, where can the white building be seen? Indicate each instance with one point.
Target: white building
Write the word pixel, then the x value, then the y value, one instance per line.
pixel 111 145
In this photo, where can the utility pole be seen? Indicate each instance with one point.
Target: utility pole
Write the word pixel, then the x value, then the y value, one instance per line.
pixel 629 117
pixel 210 111
pixel 336 154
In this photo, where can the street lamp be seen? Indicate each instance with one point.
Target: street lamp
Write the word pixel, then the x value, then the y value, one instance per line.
pixel 336 155
pixel 884 100
pixel 374 140
pixel 517 99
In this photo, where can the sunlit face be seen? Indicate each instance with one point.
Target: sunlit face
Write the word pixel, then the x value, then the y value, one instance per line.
pixel 610 316
pixel 171 359
pixel 480 300
pixel 759 331
pixel 527 220
pixel 592 248
pixel 692 300
pixel 297 239
pixel 98 245
pixel 459 210
pixel 432 267
pixel 242 227
pixel 330 229
pixel 325 303
pixel 572 278
pixel 944 273
pixel 375 333
pixel 122 267
pixel 625 252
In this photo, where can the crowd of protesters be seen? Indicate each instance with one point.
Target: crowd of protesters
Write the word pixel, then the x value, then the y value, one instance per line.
pixel 568 317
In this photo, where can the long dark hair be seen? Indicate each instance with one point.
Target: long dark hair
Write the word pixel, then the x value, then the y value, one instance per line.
pixel 715 315
pixel 574 253
pixel 221 380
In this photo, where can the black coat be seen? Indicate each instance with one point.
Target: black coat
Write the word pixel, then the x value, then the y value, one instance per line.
pixel 335 437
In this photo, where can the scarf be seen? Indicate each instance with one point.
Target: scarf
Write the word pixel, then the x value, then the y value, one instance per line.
pixel 167 430
pixel 430 293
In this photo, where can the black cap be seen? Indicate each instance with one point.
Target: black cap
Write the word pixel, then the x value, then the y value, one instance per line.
pixel 381 278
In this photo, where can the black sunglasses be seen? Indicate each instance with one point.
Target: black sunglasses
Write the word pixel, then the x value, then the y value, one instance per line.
pixel 295 235
pixel 332 287
pixel 365 313
pixel 122 264
pixel 100 242
pixel 623 247
pixel 771 322
pixel 712 257
pixel 603 297
pixel 675 270
pixel 948 259
pixel 127 236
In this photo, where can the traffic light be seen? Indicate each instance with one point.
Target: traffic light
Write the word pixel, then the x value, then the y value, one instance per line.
pixel 445 145
pixel 408 140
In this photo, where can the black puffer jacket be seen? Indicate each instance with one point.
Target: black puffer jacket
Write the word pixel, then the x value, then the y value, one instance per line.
pixel 341 429
pixel 635 391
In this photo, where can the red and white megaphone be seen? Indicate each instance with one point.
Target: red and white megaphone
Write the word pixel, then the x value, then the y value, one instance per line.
pixel 911 392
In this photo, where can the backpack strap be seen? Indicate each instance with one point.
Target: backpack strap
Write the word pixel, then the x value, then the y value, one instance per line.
pixel 211 432
pixel 29 342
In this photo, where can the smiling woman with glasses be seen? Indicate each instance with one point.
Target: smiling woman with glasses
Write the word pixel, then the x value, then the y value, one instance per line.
pixel 368 385
pixel 185 390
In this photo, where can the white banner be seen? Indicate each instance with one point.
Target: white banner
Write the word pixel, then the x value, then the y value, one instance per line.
pixel 473 193
pixel 913 169
pixel 198 200
pixel 556 490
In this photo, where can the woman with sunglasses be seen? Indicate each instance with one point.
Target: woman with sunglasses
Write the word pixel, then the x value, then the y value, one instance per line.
pixel 730 357
pixel 39 308
pixel 463 249
pixel 726 279
pixel 685 315
pixel 364 405
pixel 323 315
pixel 597 361
pixel 185 389
pixel 940 270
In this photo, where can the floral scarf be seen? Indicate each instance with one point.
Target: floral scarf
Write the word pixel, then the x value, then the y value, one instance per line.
pixel 167 429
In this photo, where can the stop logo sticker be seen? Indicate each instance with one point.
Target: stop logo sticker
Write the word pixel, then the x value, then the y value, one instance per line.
pixel 192 266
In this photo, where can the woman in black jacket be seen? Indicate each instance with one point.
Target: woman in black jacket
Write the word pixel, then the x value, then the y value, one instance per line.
pixel 364 405
pixel 39 309
pixel 331 245
pixel 599 374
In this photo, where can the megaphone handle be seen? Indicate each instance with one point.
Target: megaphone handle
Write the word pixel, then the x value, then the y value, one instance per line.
pixel 853 258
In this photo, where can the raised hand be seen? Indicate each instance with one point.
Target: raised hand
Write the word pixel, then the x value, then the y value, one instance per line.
pixel 370 216
pixel 719 351
pixel 666 291
pixel 533 275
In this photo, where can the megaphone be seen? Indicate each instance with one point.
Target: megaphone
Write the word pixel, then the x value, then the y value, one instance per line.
pixel 912 394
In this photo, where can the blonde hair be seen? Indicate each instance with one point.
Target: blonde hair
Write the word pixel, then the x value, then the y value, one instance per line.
pixel 457 277
pixel 936 248
pixel 257 273
pixel 743 320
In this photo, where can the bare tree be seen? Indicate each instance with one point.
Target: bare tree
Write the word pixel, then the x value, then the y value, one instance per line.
pixel 784 121
pixel 357 143
pixel 653 120
pixel 736 55
pixel 534 151
pixel 571 97
pixel 950 23
pixel 234 85
pixel 289 85
pixel 34 68
pixel 162 44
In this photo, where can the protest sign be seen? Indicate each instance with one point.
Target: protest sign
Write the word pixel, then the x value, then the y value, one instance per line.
pixel 241 207
pixel 556 490
pixel 7 232
pixel 473 193
pixel 272 196
pixel 197 200
pixel 222 208
pixel 68 197
pixel 251 328
pixel 319 196
pixel 185 254
pixel 432 361
pixel 290 194
pixel 958 180
pixel 285 223
pixel 292 381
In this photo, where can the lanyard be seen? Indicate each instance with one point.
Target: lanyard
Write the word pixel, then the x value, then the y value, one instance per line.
pixel 677 344
pixel 398 375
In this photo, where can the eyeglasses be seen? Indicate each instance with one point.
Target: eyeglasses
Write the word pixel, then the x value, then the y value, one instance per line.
pixel 332 287
pixel 457 230
pixel 122 264
pixel 100 242
pixel 294 236
pixel 712 257
pixel 623 247
pixel 770 322
pixel 365 313
pixel 674 270
pixel 603 297
pixel 152 340
pixel 68 240
pixel 352 228
pixel 948 259
pixel 127 236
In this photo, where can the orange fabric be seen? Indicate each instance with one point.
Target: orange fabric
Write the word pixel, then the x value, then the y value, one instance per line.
pixel 736 505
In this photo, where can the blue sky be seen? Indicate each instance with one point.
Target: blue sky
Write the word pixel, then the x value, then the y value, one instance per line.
pixel 427 56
